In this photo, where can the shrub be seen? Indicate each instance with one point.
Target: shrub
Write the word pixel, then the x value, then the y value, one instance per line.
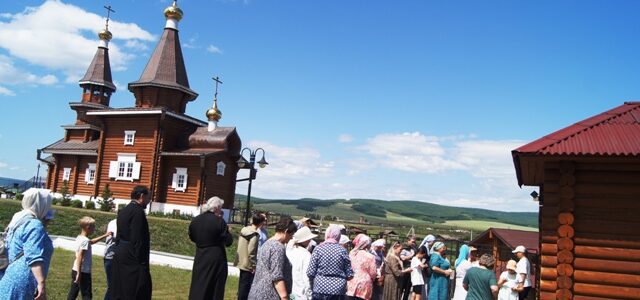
pixel 64 190
pixel 19 196
pixel 182 216
pixel 65 202
pixel 90 204
pixel 76 203
pixel 106 203
pixel 55 201
pixel 121 206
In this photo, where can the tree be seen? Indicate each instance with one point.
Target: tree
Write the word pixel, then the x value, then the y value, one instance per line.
pixel 106 203
pixel 64 191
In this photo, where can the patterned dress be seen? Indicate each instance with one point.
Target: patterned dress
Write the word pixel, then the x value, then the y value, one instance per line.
pixel 329 269
pixel 364 274
pixel 18 282
pixel 439 283
pixel 272 266
pixel 392 274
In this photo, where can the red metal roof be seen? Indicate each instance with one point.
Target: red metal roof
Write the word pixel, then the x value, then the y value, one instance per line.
pixel 612 133
pixel 512 238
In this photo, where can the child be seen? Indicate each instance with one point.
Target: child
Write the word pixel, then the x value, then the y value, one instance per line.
pixel 417 280
pixel 81 270
pixel 508 283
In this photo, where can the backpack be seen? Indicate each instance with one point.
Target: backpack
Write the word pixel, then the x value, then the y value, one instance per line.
pixel 4 244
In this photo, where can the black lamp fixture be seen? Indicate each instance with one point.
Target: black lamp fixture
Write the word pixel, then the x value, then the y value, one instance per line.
pixel 243 163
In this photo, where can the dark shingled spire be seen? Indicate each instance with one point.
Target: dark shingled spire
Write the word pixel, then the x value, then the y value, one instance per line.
pixel 165 68
pixel 99 71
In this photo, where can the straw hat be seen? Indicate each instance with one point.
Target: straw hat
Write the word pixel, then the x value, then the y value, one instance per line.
pixel 512 265
pixel 302 235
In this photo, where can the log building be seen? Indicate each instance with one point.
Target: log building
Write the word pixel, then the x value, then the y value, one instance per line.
pixel 589 179
pixel 182 160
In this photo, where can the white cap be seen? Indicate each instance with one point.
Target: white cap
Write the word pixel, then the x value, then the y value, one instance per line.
pixel 521 249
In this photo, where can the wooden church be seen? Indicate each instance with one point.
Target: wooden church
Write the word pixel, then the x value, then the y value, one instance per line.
pixel 182 159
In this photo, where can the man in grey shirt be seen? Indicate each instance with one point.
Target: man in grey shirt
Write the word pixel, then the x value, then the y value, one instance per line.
pixel 109 248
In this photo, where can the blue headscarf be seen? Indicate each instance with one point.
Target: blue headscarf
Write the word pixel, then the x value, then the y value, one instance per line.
pixel 462 255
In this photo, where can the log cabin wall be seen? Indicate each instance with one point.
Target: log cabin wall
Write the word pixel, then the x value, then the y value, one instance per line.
pixel 75 135
pixel 190 195
pixel 62 162
pixel 144 148
pixel 591 244
pixel 84 188
pixel 221 186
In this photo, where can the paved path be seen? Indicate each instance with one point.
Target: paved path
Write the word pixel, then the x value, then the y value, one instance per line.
pixel 155 258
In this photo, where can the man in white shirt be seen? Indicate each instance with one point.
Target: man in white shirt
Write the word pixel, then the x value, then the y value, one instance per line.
pixel 523 268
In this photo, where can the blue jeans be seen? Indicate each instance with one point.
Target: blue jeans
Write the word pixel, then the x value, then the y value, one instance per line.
pixel 107 269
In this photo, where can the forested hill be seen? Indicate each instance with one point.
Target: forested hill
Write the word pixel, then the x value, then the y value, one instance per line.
pixel 378 210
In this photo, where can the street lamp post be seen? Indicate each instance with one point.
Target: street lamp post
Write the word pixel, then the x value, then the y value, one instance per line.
pixel 250 164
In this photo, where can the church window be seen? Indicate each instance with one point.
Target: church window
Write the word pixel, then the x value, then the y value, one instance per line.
pixel 125 168
pixel 129 137
pixel 179 180
pixel 66 174
pixel 220 168
pixel 90 174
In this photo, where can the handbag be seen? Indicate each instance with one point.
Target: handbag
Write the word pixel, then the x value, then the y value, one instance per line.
pixel 4 244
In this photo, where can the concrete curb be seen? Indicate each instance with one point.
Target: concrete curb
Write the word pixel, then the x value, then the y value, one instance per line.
pixel 155 257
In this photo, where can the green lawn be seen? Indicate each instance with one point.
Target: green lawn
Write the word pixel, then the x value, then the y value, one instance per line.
pixel 479 226
pixel 167 235
pixel 168 283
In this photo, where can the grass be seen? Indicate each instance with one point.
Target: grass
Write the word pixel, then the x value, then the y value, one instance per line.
pixel 479 226
pixel 168 283
pixel 167 235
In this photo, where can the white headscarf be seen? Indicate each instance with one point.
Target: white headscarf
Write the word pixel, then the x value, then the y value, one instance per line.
pixel 35 202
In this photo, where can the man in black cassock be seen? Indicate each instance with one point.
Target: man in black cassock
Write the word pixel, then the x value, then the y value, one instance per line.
pixel 211 235
pixel 130 269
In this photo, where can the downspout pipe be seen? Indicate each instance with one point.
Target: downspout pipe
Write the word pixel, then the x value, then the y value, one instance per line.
pixel 203 183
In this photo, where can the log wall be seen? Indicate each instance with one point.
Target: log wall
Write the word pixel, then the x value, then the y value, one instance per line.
pixel 221 186
pixel 589 231
pixel 82 187
pixel 169 165
pixel 144 148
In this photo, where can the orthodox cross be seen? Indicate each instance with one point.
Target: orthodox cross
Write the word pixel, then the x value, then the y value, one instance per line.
pixel 109 11
pixel 217 80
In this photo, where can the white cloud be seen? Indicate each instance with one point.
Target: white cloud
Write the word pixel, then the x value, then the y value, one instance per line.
pixel 62 37
pixel 487 158
pixel 6 92
pixel 213 49
pixel 10 74
pixel 136 45
pixel 191 42
pixel 345 138
pixel 412 152
pixel 3 165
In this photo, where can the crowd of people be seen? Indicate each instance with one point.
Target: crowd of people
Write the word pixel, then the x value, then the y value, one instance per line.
pixel 288 265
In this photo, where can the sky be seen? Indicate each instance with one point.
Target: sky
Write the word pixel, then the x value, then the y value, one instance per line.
pixel 393 100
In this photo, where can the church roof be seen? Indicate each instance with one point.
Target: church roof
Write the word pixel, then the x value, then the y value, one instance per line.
pixel 72 147
pixel 145 111
pixel 166 67
pixel 99 71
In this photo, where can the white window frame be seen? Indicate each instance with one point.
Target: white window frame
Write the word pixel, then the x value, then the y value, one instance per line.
pixel 66 174
pixel 179 180
pixel 129 137
pixel 220 167
pixel 125 168
pixel 91 170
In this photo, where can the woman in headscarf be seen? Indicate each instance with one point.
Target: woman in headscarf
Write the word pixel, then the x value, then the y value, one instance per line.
pixel 428 242
pixel 392 273
pixel 440 272
pixel 364 269
pixel 462 264
pixel 330 267
pixel 377 250
pixel 29 249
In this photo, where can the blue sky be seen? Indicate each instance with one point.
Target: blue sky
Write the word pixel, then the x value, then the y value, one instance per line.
pixel 419 100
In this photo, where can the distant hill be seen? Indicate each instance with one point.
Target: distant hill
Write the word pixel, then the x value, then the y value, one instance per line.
pixel 390 211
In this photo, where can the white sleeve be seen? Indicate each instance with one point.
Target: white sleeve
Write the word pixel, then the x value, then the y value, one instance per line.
pixel 521 267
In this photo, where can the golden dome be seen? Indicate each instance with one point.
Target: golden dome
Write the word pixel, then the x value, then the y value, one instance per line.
pixel 105 35
pixel 214 114
pixel 173 11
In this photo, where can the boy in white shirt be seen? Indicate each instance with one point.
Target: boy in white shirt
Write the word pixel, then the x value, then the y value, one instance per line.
pixel 81 270
pixel 417 280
